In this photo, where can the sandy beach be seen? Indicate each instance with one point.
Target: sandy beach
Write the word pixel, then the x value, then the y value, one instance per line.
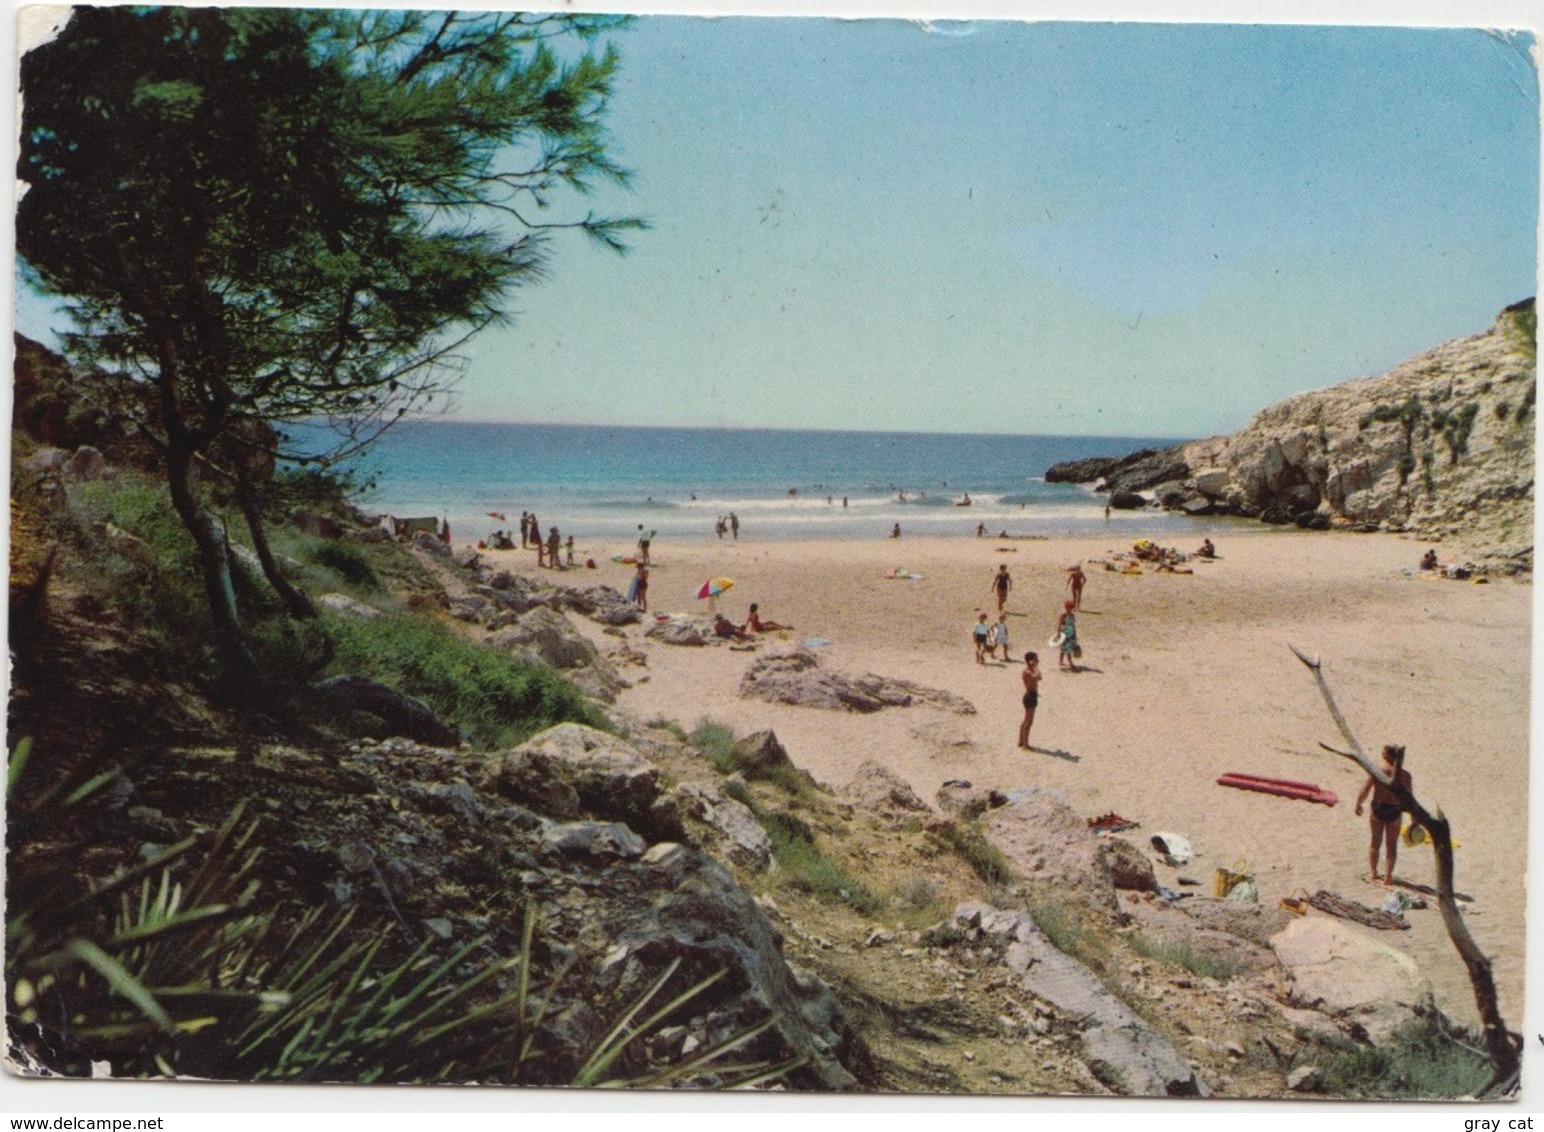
pixel 1187 677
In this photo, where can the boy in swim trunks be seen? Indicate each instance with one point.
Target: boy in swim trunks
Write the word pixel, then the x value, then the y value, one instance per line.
pixel 1386 811
pixel 1031 700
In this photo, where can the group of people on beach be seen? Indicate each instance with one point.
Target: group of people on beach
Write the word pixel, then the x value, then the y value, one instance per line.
pixel 1389 795
pixel 990 637
pixel 549 549
pixel 754 623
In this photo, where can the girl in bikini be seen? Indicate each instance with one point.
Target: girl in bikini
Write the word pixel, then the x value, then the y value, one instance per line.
pixel 1031 678
pixel 754 623
pixel 1386 811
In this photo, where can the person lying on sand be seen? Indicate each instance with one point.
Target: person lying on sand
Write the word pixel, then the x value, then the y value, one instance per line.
pixel 723 627
pixel 754 623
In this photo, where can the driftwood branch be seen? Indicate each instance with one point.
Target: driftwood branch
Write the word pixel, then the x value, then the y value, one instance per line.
pixel 1503 1046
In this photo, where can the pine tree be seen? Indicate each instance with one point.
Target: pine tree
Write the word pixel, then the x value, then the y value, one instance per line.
pixel 265 216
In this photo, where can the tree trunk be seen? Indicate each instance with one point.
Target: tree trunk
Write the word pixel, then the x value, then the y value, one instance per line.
pixel 1503 1045
pixel 298 604
pixel 236 661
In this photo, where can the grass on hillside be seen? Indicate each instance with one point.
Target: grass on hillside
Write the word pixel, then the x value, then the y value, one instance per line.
pixel 984 858
pixel 1425 1061
pixel 802 864
pixel 717 743
pixel 494 699
pixel 152 577
pixel 1178 953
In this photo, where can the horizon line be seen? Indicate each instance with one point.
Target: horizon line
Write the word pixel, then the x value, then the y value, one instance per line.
pixel 794 428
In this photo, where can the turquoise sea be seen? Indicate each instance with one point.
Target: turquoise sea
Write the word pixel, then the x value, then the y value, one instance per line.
pixel 601 482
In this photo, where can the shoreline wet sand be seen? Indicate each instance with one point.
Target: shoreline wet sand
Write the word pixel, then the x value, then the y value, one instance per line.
pixel 1186 677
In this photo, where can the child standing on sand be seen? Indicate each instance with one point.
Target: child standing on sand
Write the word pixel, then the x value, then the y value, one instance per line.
pixel 1001 584
pixel 640 588
pixel 1031 700
pixel 1386 811
pixel 1075 580
pixel 978 634
pixel 1067 630
pixel 1001 637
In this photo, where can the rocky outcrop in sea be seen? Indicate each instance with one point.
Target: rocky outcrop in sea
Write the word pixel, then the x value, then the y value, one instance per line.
pixel 1441 446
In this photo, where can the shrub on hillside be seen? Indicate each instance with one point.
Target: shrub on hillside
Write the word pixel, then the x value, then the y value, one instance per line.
pixel 347 562
pixel 495 700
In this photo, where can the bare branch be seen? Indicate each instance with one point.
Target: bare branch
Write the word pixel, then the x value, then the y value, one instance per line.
pixel 1504 1047
pixel 1329 701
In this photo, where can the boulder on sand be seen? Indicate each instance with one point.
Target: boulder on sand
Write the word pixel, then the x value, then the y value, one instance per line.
pixel 883 793
pixel 795 677
pixel 1050 846
pixel 1368 987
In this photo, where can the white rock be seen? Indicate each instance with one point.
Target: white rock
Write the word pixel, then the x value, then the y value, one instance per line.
pixel 1340 971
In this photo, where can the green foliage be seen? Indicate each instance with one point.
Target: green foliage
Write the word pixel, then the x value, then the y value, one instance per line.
pixel 802 864
pixel 716 743
pixel 317 487
pixel 943 934
pixel 138 547
pixel 915 893
pixel 1428 476
pixel 984 858
pixel 670 725
pixel 263 216
pixel 1068 934
pixel 494 699
pixel 1455 427
pixel 1406 465
pixel 1408 414
pixel 347 562
pixel 1503 410
pixel 627 1030
pixel 1178 953
pixel 740 791
pixel 361 182
pixel 144 511
pixel 176 967
pixel 339 1011
pixel 1526 408
pixel 1521 323
pixel 1425 1061
pixel 805 868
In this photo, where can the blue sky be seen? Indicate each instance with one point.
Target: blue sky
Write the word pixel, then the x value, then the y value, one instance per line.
pixel 1129 229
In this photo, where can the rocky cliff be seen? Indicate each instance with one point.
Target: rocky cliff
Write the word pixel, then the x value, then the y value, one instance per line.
pixel 1441 446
